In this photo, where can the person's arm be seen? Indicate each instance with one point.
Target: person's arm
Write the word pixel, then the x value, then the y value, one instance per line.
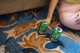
pixel 52 6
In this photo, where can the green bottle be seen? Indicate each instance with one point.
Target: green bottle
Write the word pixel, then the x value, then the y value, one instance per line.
pixel 42 27
pixel 56 33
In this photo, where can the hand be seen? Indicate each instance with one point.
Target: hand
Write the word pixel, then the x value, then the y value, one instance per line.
pixel 38 21
pixel 47 21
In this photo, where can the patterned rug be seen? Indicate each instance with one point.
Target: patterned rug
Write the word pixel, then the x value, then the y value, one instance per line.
pixel 18 34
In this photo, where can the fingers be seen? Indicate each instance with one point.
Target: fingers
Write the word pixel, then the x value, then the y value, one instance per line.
pixel 37 22
pixel 47 21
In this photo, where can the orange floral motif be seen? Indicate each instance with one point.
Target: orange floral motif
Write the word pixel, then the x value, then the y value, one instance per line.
pixel 37 42
pixel 3 24
pixel 17 31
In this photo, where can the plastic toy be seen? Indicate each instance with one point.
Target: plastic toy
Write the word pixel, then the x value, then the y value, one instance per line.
pixel 55 33
pixel 42 27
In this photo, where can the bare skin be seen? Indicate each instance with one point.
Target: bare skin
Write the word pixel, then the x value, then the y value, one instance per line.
pixel 52 6
pixel 69 14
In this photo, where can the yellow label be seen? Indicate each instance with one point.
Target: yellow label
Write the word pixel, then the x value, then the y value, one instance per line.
pixel 72 0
